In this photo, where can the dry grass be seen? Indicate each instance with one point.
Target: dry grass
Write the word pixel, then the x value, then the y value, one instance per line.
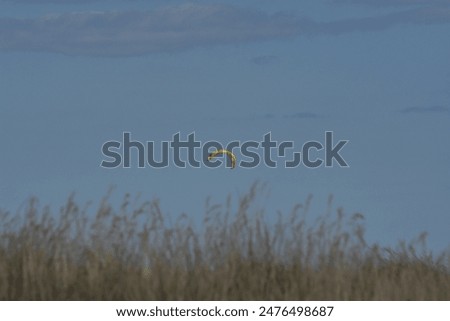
pixel 136 253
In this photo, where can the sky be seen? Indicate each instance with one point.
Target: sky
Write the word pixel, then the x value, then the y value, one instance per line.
pixel 75 74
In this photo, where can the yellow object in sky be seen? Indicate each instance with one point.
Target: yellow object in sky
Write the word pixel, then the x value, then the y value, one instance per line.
pixel 224 152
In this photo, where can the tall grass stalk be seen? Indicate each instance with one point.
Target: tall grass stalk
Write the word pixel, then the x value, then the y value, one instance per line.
pixel 135 252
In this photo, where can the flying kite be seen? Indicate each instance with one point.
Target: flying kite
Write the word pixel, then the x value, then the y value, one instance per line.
pixel 224 152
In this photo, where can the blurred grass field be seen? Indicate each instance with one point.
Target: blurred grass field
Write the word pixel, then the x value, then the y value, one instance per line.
pixel 137 252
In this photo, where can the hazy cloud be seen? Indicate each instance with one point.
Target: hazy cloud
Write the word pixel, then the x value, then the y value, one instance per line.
pixel 181 27
pixel 168 29
pixel 358 2
pixel 426 110
pixel 264 60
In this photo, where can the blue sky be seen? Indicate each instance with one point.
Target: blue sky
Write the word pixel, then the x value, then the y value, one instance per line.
pixel 77 73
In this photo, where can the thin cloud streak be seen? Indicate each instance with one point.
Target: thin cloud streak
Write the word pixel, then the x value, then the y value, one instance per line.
pixel 182 27
pixel 49 1
pixel 393 3
pixel 421 16
pixel 426 110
